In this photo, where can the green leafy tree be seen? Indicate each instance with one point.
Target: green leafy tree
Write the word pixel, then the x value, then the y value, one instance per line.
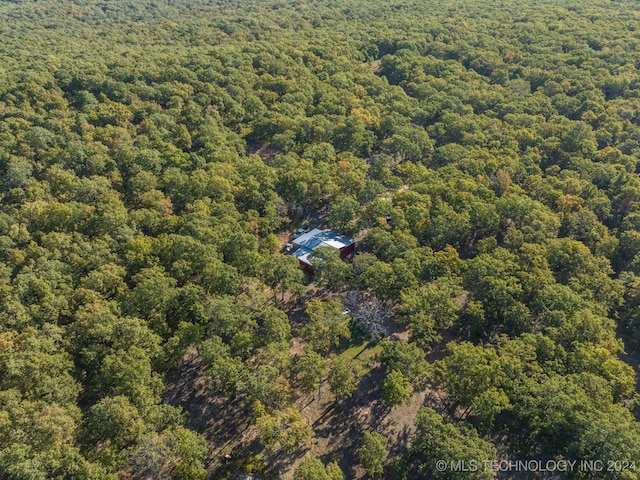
pixel 473 377
pixel 265 385
pixel 178 452
pixel 282 273
pixel 191 452
pixel 34 363
pixel 404 357
pixel 328 324
pixel 310 468
pixel 220 278
pixel 152 292
pixel 329 268
pixel 381 278
pixel 342 379
pixel 311 368
pixel 372 453
pixel 437 440
pixel 276 327
pixel 344 212
pixel 429 310
pixel 395 389
pixel 225 370
pixel 285 428
pixel 130 373
pixel 116 420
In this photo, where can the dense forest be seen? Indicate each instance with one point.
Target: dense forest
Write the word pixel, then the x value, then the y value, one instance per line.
pixel 156 155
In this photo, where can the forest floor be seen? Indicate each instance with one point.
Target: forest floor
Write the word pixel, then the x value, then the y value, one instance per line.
pixel 224 423
pixel 338 425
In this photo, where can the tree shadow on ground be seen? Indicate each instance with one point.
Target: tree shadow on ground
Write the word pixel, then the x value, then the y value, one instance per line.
pixel 344 422
pixel 220 418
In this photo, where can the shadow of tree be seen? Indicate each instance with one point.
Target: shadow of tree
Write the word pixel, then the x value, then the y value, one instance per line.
pixel 344 422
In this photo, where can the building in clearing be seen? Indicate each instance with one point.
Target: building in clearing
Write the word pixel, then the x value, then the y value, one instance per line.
pixel 316 238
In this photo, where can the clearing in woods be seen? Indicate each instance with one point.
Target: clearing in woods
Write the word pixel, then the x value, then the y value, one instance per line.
pixel 338 425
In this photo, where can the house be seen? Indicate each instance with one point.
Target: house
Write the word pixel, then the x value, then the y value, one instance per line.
pixel 316 238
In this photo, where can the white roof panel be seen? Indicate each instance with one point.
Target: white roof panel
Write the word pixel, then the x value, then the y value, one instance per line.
pixel 302 239
pixel 333 243
pixel 305 259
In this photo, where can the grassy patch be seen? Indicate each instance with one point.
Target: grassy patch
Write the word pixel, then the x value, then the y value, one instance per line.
pixel 359 351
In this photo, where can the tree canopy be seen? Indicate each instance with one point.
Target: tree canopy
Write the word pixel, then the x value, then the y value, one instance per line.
pixel 156 155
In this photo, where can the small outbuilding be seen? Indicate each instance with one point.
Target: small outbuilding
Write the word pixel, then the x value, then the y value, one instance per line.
pixel 316 238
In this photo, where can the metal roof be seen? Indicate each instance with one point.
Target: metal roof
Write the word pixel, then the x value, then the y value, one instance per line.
pixel 305 237
pixel 316 238
pixel 302 254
